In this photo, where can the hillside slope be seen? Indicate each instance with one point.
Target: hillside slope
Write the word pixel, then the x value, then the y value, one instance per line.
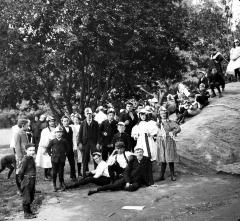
pixel 212 137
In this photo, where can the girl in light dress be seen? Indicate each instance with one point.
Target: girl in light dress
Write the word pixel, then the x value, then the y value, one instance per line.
pixel 167 152
pixel 144 133
pixel 75 128
pixel 42 158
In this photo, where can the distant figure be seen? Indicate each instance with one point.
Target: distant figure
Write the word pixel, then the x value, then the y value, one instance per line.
pixel 234 64
pixel 215 81
pixel 8 161
pixel 36 130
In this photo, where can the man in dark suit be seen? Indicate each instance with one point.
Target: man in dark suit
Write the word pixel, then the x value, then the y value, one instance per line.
pixel 88 139
pixel 137 173
pixel 68 136
pixel 106 132
pixel 121 136
pixel 130 119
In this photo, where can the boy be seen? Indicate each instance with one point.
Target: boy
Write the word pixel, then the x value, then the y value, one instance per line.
pixel 122 137
pixel 57 149
pixel 99 176
pixel 27 175
pixel 8 161
pixel 118 161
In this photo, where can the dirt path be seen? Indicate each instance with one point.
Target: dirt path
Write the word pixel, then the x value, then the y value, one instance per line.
pixel 207 141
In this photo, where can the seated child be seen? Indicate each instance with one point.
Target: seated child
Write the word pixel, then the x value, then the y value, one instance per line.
pixel 202 96
pixel 8 161
pixel 27 175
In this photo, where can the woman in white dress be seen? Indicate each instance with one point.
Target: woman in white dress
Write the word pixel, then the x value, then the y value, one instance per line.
pixel 43 159
pixel 144 132
pixel 75 128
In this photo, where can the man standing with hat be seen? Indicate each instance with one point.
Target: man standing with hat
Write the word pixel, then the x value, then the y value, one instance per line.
pixel 20 141
pixel 130 119
pixel 107 130
pixel 88 138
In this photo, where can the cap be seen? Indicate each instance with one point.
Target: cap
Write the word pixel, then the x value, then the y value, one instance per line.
pixel 236 40
pixel 88 110
pixel 138 148
pixel 97 153
pixel 143 111
pixel 154 100
pixel 111 110
pixel 49 118
pixel 119 145
pixel 58 129
pixel 29 145
pixel 121 123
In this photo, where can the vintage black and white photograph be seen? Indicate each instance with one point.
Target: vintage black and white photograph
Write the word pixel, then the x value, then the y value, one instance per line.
pixel 120 110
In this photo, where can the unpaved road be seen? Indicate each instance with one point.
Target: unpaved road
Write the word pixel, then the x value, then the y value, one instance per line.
pixel 199 194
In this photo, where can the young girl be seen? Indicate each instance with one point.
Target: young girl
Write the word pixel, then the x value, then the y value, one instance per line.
pixel 166 144
pixel 144 132
pixel 43 159
pixel 75 128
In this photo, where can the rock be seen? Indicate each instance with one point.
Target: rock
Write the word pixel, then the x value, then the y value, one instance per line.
pixel 53 201
pixel 233 168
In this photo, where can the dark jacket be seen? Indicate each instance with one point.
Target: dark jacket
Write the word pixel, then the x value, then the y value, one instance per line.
pixel 8 160
pixel 57 149
pixel 132 122
pixel 68 136
pixel 36 128
pixel 88 133
pixel 122 137
pixel 139 172
pixel 203 80
pixel 110 129
pixel 28 167
pixel 215 79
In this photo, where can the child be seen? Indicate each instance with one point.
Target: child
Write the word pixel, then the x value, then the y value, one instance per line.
pixel 8 161
pixel 122 137
pixel 57 149
pixel 27 175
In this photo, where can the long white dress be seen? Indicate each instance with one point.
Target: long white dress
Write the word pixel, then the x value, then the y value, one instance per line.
pixel 234 60
pixel 146 130
pixel 43 159
pixel 75 129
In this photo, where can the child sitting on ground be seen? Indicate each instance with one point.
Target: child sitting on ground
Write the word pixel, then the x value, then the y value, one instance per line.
pixel 27 175
pixel 8 161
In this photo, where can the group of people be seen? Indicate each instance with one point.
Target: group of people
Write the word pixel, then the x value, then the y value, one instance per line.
pixel 123 149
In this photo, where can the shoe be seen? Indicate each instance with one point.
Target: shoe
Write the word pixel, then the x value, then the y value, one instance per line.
pixel 38 191
pixel 161 179
pixel 220 95
pixel 173 178
pixel 55 189
pixel 90 192
pixel 29 216
pixel 213 95
pixel 62 187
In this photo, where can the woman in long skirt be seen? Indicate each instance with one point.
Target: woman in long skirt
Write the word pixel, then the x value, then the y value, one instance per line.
pixel 75 128
pixel 167 152
pixel 43 159
pixel 144 132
